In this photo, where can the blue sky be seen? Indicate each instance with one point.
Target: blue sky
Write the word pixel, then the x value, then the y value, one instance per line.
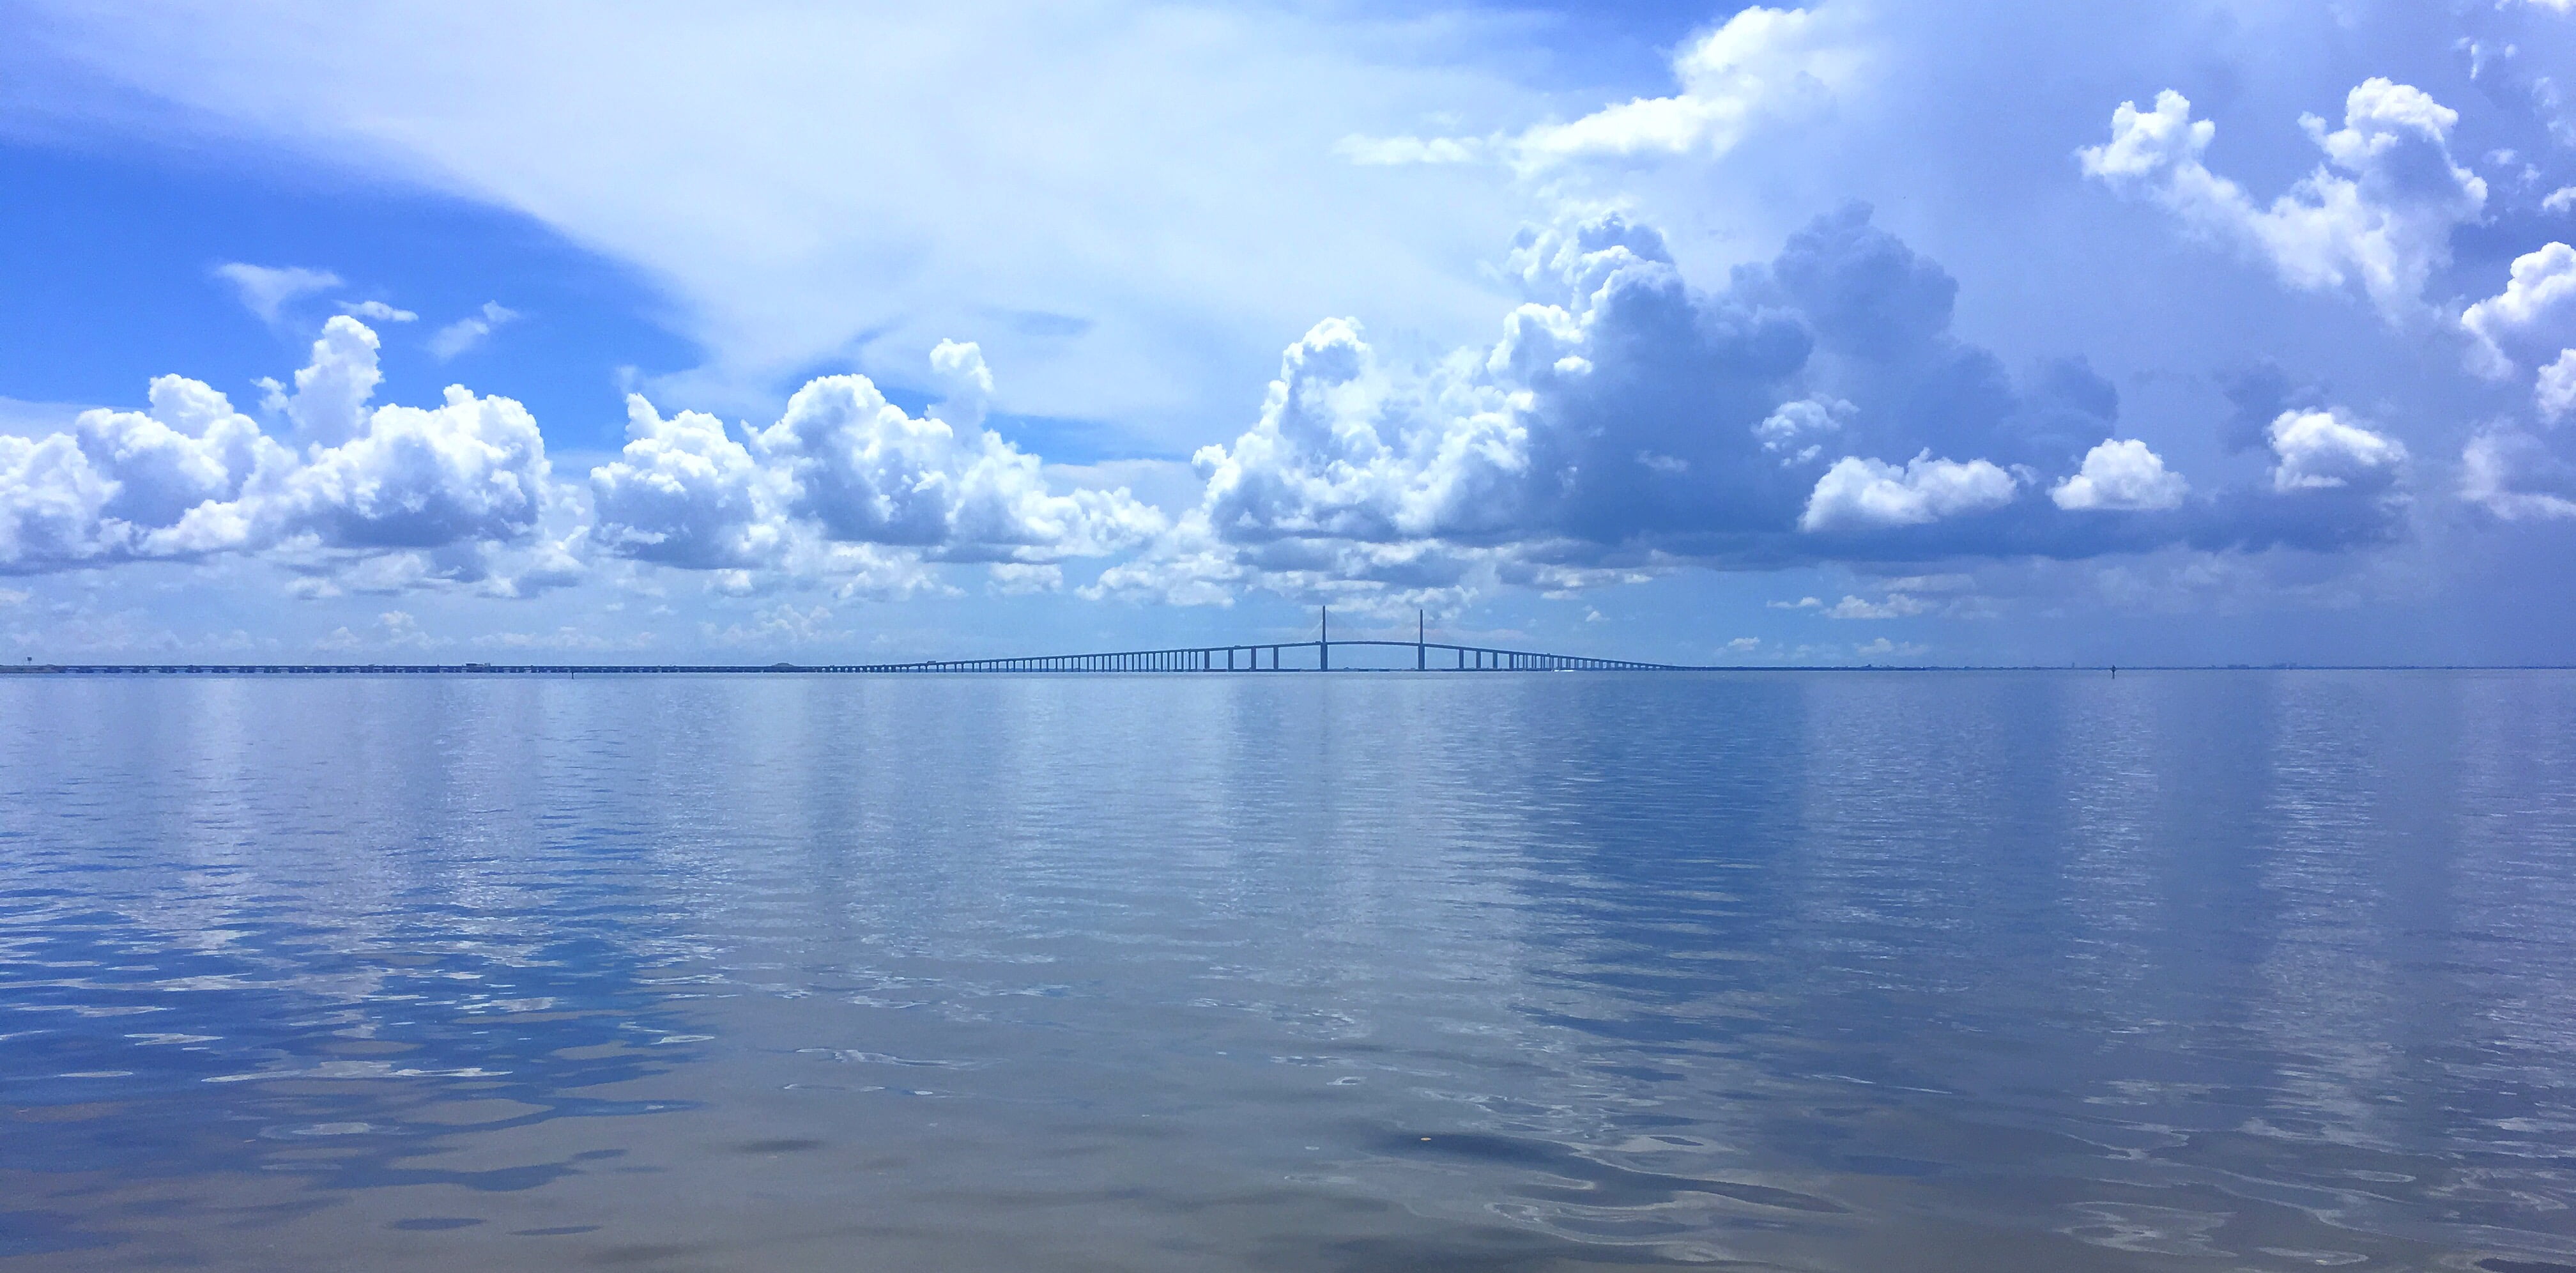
pixel 1861 332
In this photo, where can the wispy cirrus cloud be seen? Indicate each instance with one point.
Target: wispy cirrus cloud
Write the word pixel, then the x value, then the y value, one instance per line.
pixel 266 290
pixel 467 332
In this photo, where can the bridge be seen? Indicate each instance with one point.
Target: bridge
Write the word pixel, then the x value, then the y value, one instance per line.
pixel 1265 656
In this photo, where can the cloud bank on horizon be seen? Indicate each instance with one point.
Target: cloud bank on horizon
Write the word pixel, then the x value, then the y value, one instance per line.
pixel 1835 301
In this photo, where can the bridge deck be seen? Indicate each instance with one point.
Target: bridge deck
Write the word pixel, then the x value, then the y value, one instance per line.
pixel 1266 656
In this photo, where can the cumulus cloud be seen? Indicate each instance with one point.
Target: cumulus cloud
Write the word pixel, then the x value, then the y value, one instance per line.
pixel 1623 423
pixel 866 472
pixel 2121 475
pixel 2515 477
pixel 960 366
pixel 406 493
pixel 328 405
pixel 1319 463
pixel 1805 420
pixel 465 333
pixel 1620 407
pixel 190 449
pixel 50 503
pixel 1613 421
pixel 2321 450
pixel 2334 485
pixel 2257 394
pixel 685 493
pixel 1763 64
pixel 2533 318
pixel 842 466
pixel 1859 494
pixel 471 469
pixel 1626 424
pixel 266 290
pixel 2377 213
pixel 2554 390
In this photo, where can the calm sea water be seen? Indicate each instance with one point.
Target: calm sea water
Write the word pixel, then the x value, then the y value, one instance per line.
pixel 2242 971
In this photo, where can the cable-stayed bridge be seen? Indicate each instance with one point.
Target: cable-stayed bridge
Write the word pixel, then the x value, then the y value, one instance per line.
pixel 1278 656
pixel 1265 656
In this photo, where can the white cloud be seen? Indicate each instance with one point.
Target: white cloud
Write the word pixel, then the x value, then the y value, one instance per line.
pixel 1185 211
pixel 2554 390
pixel 329 404
pixel 960 366
pixel 1317 463
pixel 127 485
pixel 377 311
pixel 471 469
pixel 388 493
pixel 387 498
pixel 781 624
pixel 50 501
pixel 1158 178
pixel 2515 477
pixel 869 572
pixel 266 290
pixel 1388 152
pixel 1013 579
pixel 1932 583
pixel 867 473
pixel 2377 213
pixel 400 628
pixel 685 493
pixel 1863 494
pixel 1591 426
pixel 2319 450
pixel 2533 317
pixel 1625 425
pixel 189 450
pixel 566 638
pixel 1897 605
pixel 465 333
pixel 1761 64
pixel 842 466
pixel 1801 421
pixel 2563 199
pixel 2121 475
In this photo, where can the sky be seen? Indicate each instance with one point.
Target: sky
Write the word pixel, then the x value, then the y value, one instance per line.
pixel 1869 331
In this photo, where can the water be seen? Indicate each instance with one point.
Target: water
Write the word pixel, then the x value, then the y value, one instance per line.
pixel 2243 971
